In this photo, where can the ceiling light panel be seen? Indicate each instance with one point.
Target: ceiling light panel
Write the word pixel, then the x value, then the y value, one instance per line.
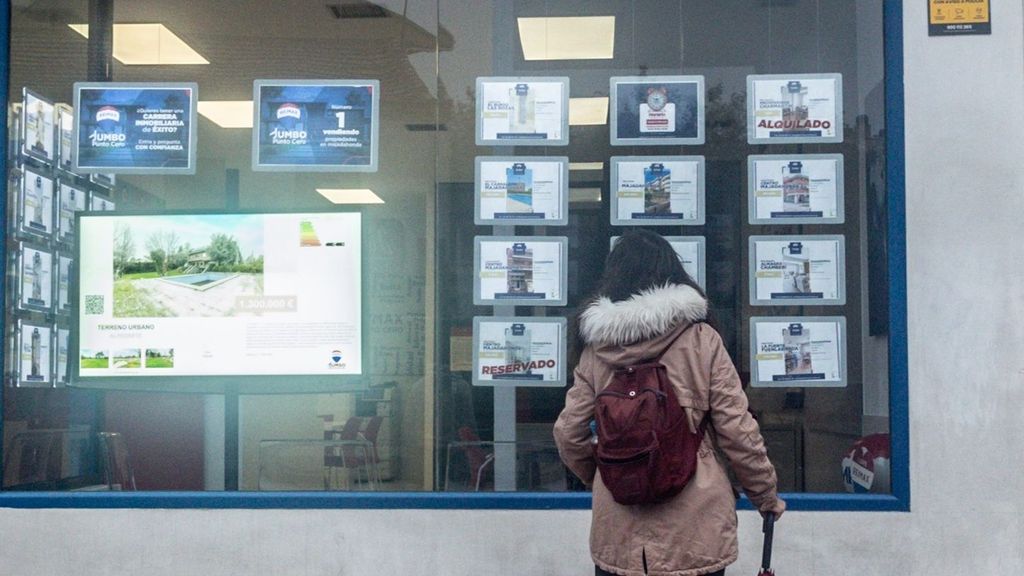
pixel 227 113
pixel 148 45
pixel 568 38
pixel 588 111
pixel 350 195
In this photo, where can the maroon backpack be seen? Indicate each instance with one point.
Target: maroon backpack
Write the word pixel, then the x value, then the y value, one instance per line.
pixel 645 452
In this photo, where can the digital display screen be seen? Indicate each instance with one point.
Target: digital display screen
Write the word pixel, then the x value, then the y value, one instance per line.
pixel 269 298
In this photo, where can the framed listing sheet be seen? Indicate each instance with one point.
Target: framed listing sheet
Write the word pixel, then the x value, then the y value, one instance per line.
pixel 64 123
pixel 691 250
pixel 657 110
pixel 527 190
pixel 527 351
pixel 316 125
pixel 70 199
pixel 37 127
pixel 789 270
pixel 798 351
pixel 522 111
pixel 35 278
pixel 657 190
pixel 794 109
pixel 796 189
pixel 520 270
pixel 35 204
pixel 34 361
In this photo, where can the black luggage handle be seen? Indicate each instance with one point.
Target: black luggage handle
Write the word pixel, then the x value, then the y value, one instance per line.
pixel 769 529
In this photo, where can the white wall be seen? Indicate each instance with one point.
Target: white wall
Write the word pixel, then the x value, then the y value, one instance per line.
pixel 965 201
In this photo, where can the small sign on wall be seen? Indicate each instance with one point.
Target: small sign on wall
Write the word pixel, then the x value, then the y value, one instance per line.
pixel 958 17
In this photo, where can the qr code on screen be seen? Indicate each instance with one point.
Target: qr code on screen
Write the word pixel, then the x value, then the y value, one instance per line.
pixel 94 304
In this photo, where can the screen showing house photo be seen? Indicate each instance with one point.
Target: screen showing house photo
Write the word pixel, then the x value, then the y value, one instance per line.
pixel 219 294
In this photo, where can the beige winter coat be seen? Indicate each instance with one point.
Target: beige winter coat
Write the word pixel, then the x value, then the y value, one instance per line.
pixel 694 532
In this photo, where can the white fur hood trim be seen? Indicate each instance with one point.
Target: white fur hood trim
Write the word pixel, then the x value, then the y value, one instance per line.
pixel 642 317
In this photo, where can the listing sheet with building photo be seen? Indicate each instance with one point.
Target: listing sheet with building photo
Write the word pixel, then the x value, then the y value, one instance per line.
pixel 788 270
pixel 35 265
pixel 518 351
pixel 220 294
pixel 37 126
pixel 657 190
pixel 36 203
pixel 514 270
pixel 791 109
pixel 70 200
pixel 691 250
pixel 522 111
pixel 522 190
pixel 35 354
pixel 794 351
pixel 796 189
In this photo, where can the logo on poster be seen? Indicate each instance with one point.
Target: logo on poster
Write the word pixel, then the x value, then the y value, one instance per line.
pixel 107 133
pixel 336 358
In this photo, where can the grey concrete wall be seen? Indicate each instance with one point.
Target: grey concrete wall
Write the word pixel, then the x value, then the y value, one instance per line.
pixel 965 201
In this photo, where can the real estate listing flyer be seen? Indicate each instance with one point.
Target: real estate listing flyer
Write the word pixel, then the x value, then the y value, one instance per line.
pixel 795 351
pixel 657 190
pixel 522 111
pixel 220 295
pixel 35 354
pixel 527 351
pixel 797 270
pixel 65 125
pixel 790 109
pixel 63 284
pixel 69 200
pixel 797 189
pixel 36 126
pixel 520 270
pixel 35 268
pixel 657 110
pixel 529 190
pixel 691 250
pixel 63 348
pixel 36 204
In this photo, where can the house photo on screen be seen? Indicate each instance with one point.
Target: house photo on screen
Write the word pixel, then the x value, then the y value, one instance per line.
pixel 219 294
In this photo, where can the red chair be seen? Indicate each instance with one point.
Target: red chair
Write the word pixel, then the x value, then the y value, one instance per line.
pixel 353 449
pixel 477 456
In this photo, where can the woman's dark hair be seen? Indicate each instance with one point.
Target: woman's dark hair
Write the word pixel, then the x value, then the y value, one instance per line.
pixel 641 260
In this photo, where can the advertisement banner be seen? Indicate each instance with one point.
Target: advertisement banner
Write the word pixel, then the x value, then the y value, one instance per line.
pixel 527 270
pixel 37 116
pixel 796 189
pixel 784 109
pixel 35 354
pixel 35 278
pixel 135 128
pixel 527 190
pixel 36 204
pixel 315 125
pixel 657 190
pixel 657 110
pixel 786 270
pixel 798 351
pixel 527 351
pixel 522 111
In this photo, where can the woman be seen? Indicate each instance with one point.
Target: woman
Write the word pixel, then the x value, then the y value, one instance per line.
pixel 646 305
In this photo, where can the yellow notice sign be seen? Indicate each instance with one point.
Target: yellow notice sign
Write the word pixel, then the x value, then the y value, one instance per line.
pixel 958 17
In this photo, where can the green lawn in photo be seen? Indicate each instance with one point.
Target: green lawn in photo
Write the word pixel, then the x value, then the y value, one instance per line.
pixel 160 362
pixel 130 302
pixel 95 363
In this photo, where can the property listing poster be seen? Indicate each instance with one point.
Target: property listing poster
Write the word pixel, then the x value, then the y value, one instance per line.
pixel 63 283
pixel 63 345
pixel 65 124
pixel 798 352
pixel 690 250
pixel 135 128
pixel 36 203
pixel 520 269
pixel 658 190
pixel 70 200
pixel 796 189
pixel 657 110
pixel 316 125
pixel 239 295
pixel 522 189
pixel 800 269
pixel 789 109
pixel 37 126
pixel 519 351
pixel 522 111
pixel 35 354
pixel 98 203
pixel 36 280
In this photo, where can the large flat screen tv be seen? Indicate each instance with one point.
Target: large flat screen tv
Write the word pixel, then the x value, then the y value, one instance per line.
pixel 215 302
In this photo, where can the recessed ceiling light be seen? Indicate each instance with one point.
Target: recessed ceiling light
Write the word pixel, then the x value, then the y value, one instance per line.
pixel 581 166
pixel 147 45
pixel 588 111
pixel 227 113
pixel 350 195
pixel 568 38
